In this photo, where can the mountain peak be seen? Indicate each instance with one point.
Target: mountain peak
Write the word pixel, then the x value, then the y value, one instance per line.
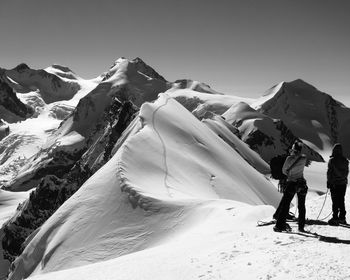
pixel 131 66
pixel 146 69
pixel 61 68
pixel 21 67
pixel 299 84
pixel 138 60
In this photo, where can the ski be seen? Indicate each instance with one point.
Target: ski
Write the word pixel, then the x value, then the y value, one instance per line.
pixel 265 223
pixel 344 225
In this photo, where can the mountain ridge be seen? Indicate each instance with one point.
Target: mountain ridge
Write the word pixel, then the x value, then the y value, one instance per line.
pixel 131 136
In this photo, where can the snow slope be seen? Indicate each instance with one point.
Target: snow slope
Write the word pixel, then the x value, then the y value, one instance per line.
pixel 52 85
pixel 29 136
pixel 179 197
pixel 204 104
pixel 301 106
pixel 149 194
pixel 8 203
pixel 228 245
pixel 267 136
pixel 125 81
pixel 85 113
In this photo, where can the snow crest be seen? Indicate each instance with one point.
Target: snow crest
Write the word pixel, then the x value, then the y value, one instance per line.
pixel 166 175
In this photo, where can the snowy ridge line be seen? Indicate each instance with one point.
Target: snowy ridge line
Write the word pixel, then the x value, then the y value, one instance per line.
pixel 135 196
pixel 163 145
pixel 166 175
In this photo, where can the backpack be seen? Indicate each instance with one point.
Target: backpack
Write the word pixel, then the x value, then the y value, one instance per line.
pixel 276 164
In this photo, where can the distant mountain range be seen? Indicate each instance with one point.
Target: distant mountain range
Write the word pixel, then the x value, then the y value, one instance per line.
pixel 129 139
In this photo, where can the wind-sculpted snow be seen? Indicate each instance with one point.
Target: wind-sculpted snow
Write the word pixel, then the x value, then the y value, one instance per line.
pixel 230 135
pixel 169 169
pixel 179 141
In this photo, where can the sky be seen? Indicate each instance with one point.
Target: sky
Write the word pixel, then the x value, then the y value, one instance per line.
pixel 237 47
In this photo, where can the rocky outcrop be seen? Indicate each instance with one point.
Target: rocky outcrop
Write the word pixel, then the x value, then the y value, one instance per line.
pixel 4 130
pixel 11 108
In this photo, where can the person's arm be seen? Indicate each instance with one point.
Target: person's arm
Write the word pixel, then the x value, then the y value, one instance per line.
pixel 286 166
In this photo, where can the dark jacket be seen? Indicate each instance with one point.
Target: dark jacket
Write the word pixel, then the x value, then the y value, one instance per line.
pixel 338 168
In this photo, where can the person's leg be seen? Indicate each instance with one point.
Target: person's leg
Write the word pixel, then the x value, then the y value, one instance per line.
pixel 302 210
pixel 341 202
pixel 281 188
pixel 278 211
pixel 285 203
pixel 334 203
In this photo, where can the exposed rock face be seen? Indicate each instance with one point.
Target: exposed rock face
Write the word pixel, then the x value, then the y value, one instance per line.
pixel 4 130
pixel 11 108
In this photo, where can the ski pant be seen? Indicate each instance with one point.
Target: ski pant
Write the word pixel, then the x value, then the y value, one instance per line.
pixel 281 188
pixel 292 188
pixel 338 201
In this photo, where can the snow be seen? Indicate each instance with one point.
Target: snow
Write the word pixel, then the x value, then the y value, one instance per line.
pixel 29 137
pixel 217 103
pixel 179 199
pixel 8 204
pixel 227 132
pixel 71 142
pixel 148 194
pixel 269 94
pixel 226 244
pixel 301 106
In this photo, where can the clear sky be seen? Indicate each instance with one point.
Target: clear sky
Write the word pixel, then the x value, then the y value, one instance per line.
pixel 237 47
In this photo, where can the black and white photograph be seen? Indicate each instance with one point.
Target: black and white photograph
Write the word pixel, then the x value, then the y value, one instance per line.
pixel 174 140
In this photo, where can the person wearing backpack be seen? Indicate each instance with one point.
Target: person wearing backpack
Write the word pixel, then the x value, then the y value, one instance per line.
pixel 337 180
pixel 293 168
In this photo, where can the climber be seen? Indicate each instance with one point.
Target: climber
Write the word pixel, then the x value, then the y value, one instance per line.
pixel 337 180
pixel 293 168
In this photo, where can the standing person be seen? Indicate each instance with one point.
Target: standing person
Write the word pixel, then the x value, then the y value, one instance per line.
pixel 293 168
pixel 337 180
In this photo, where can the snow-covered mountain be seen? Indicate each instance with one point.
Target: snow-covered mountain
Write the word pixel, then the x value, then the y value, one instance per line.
pixel 129 167
pixel 143 186
pixel 301 106
pixel 33 103
pixel 267 136
pixel 54 83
